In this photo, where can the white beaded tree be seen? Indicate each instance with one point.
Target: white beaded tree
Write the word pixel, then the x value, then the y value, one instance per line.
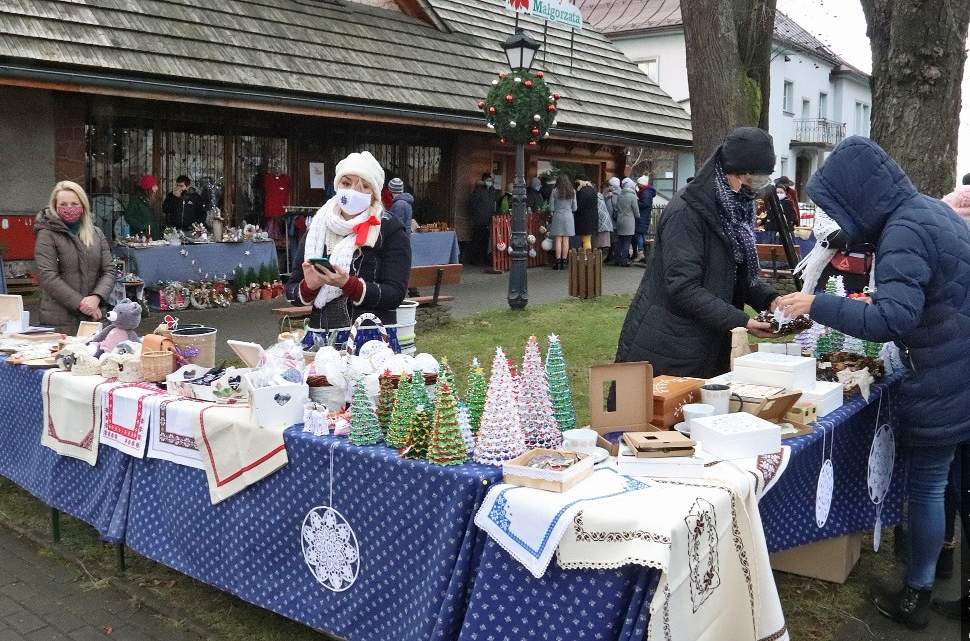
pixel 535 407
pixel 464 423
pixel 500 437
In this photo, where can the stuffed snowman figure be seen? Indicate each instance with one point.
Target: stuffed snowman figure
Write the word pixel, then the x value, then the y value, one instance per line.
pixel 124 320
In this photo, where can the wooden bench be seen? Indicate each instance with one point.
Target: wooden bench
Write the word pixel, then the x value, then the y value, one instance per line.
pixel 775 254
pixel 436 276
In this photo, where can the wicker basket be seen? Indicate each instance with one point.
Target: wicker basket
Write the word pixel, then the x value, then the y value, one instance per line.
pixel 155 366
pixel 201 340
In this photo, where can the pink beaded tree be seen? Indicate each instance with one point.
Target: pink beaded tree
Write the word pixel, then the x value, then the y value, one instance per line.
pixel 500 437
pixel 535 407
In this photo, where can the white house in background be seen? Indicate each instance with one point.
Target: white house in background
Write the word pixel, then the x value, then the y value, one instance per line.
pixel 817 98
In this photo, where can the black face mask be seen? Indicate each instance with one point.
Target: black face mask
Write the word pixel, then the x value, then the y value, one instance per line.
pixel 747 192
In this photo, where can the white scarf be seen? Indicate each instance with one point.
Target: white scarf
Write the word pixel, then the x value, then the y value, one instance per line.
pixel 330 230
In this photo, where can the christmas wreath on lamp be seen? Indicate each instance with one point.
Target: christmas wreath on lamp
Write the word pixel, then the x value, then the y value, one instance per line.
pixel 520 107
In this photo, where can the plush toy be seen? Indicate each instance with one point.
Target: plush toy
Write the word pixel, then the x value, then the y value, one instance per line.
pixel 125 318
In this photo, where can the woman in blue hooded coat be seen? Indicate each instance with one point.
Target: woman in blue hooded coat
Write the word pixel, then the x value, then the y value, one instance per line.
pixel 922 303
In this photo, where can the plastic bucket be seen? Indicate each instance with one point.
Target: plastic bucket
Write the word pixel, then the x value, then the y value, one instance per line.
pixel 407 313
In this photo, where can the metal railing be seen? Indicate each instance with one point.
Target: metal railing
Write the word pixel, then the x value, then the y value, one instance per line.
pixel 819 131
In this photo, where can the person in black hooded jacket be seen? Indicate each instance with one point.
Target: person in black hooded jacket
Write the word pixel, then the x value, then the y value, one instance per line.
pixel 704 268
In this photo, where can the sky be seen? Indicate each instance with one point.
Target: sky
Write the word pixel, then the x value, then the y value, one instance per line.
pixel 842 26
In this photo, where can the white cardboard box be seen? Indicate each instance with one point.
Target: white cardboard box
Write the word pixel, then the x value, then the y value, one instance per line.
pixel 278 407
pixel 681 467
pixel 826 396
pixel 178 381
pixel 780 370
pixel 737 435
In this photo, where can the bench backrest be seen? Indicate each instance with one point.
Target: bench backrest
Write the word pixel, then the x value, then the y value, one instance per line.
pixel 775 252
pixel 427 275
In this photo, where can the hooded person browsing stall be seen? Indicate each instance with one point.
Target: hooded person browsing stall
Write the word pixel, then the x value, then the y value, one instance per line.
pixel 704 268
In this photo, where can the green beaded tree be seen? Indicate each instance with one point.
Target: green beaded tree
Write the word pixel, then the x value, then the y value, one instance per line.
pixel 872 349
pixel 421 393
pixel 475 395
pixel 419 435
pixel 446 375
pixel 397 433
pixel 364 428
pixel 447 444
pixel 559 390
pixel 834 339
pixel 385 402
pixel 251 276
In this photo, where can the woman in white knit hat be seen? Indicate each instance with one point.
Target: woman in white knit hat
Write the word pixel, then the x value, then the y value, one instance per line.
pixel 369 252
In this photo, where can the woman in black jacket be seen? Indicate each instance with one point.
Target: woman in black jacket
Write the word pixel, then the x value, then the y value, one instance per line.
pixel 587 212
pixel 369 253
pixel 704 268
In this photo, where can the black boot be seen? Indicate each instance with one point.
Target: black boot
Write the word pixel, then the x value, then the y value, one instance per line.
pixel 909 606
pixel 949 609
pixel 555 265
pixel 944 564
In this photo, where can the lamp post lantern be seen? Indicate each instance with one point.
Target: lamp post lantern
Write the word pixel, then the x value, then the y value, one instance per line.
pixel 520 49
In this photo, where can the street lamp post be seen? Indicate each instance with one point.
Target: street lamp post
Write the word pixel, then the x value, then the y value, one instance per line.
pixel 520 49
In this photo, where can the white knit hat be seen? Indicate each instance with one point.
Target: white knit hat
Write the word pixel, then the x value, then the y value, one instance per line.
pixel 361 164
pixel 643 180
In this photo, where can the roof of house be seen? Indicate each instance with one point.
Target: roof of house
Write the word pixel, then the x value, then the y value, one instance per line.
pixel 341 50
pixel 628 17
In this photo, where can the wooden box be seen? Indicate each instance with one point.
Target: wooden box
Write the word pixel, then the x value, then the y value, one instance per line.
pixel 518 472
pixel 670 394
pixel 659 444
pixel 585 273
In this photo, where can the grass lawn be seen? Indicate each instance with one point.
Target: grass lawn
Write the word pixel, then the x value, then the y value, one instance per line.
pixel 589 332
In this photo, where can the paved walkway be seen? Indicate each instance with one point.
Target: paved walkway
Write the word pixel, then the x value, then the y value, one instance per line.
pixel 43 598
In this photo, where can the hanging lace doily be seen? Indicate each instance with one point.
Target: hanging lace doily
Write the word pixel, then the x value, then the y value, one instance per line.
pixel 882 457
pixel 823 493
pixel 330 546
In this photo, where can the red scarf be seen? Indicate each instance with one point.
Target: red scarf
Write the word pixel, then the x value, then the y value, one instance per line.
pixel 363 229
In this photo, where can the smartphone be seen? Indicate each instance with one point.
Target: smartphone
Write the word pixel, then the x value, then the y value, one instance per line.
pixel 323 262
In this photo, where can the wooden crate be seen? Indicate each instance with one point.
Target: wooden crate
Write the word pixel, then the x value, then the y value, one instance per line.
pixel 585 273
pixel 517 471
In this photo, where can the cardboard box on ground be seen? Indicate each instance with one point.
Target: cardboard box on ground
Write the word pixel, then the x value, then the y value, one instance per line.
pixel 830 560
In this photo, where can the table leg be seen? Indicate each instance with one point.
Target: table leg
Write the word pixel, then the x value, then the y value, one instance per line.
pixel 55 525
pixel 120 557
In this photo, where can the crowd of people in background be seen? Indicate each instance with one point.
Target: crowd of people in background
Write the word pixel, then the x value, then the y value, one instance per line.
pixel 613 219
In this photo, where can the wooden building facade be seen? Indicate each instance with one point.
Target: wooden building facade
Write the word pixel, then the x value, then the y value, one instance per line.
pixel 103 94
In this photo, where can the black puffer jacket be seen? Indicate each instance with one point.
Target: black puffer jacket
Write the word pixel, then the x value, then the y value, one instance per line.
pixel 587 211
pixel 682 314
pixel 384 268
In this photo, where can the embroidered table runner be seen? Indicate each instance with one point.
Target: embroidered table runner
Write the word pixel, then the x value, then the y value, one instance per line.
pixel 236 452
pixel 127 408
pixel 174 423
pixel 72 414
pixel 706 537
pixel 528 523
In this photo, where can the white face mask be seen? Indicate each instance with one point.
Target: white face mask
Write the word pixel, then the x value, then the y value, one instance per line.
pixel 782 195
pixel 353 202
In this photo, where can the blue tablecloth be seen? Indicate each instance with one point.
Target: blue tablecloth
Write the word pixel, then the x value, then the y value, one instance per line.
pixel 787 511
pixel 200 262
pixel 96 495
pixel 412 520
pixel 434 248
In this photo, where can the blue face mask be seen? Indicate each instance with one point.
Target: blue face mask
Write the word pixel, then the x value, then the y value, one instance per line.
pixel 489 184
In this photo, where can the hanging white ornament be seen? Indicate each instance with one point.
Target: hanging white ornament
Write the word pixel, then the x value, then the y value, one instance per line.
pixel 882 460
pixel 555 122
pixel 511 123
pixel 193 261
pixel 825 487
pixel 531 239
pixel 490 125
pixel 495 82
pixel 510 249
pixel 330 547
pixel 537 117
pixel 532 253
pixel 517 79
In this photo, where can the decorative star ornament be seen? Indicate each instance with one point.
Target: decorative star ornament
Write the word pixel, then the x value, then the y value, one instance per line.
pixel 247 253
pixel 184 252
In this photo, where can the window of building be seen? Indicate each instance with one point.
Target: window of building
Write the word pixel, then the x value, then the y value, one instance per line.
pixel 787 101
pixel 861 119
pixel 649 67
pixel 806 108
pixel 823 106
pixel 784 166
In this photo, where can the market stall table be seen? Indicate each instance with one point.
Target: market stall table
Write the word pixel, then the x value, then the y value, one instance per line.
pixel 434 248
pixel 97 495
pixel 169 263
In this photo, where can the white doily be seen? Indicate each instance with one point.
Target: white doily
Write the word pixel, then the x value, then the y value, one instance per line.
pixel 823 493
pixel 882 460
pixel 330 546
